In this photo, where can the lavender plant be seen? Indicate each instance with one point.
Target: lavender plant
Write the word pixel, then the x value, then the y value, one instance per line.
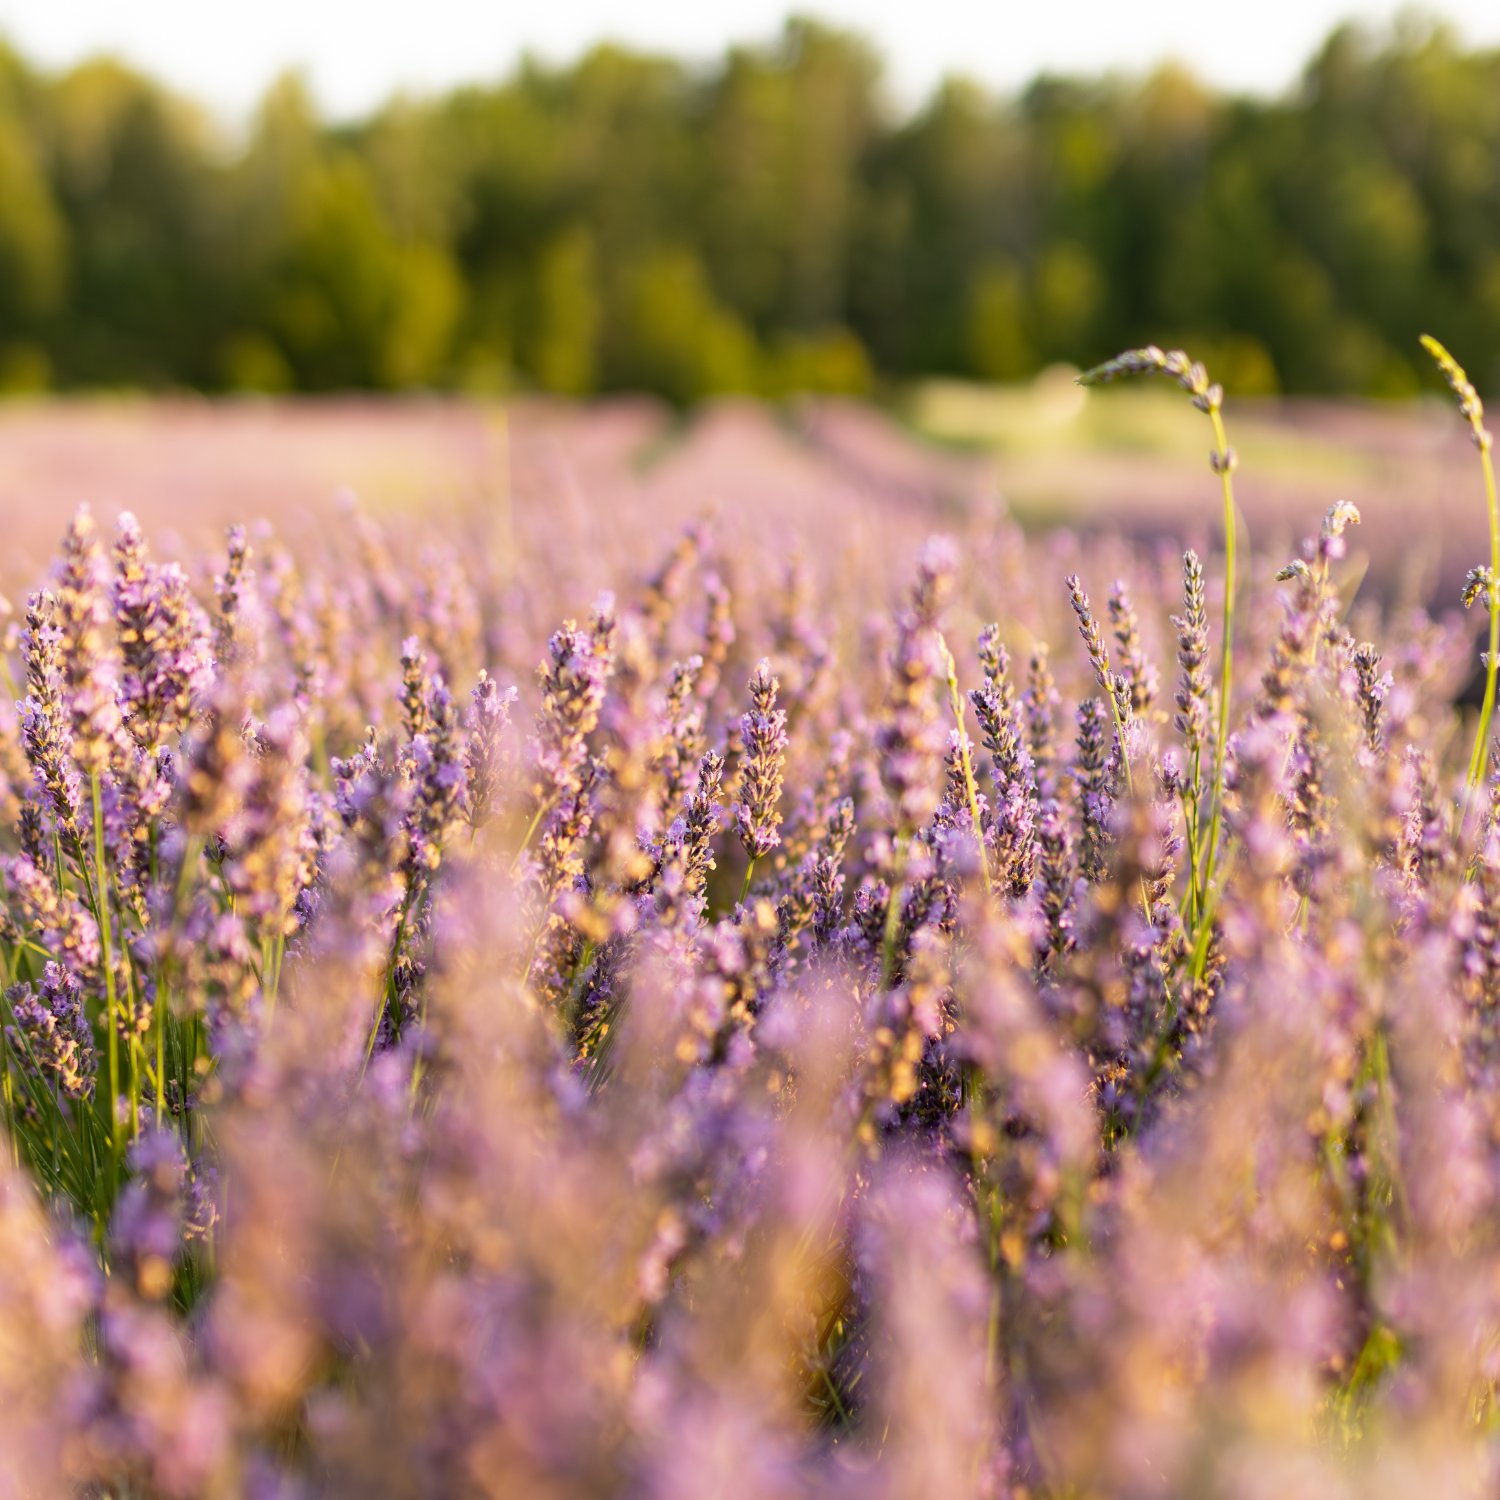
pixel 1208 397
pixel 1480 584
pixel 763 745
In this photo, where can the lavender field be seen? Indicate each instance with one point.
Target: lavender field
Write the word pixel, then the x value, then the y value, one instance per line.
pixel 576 953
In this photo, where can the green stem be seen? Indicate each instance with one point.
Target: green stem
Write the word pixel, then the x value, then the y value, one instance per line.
pixel 135 1050
pixel 388 989
pixel 160 1023
pixel 893 917
pixel 1192 821
pixel 992 1324
pixel 1226 674
pixel 116 1124
pixel 956 699
pixel 159 1008
pixel 749 871
pixel 278 950
pixel 542 810
pixel 1114 712
pixel 10 1102
pixel 833 1391
pixel 1200 943
pixel 1486 712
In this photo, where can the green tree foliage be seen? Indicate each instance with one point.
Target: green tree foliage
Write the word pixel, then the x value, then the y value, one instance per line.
pixel 133 172
pixel 764 224
pixel 350 301
pixel 561 348
pixel 675 336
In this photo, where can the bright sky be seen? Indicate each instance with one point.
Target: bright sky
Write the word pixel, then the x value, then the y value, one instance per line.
pixel 356 52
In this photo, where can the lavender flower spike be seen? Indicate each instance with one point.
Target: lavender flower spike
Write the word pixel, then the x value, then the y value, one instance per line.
pixel 908 741
pixel 489 714
pixel 82 613
pixel 1472 408
pixel 763 735
pixel 1208 397
pixel 167 660
pixel 1138 670
pixel 1088 628
pixel 46 736
pixel 1096 795
pixel 147 1229
pixel 238 619
pixel 51 1033
pixel 1190 374
pixel 416 689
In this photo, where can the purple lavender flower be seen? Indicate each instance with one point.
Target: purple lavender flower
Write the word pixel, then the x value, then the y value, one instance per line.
pixel 687 849
pixel 82 613
pixel 1010 827
pixel 167 659
pixel 238 622
pixel 1194 720
pixel 1096 790
pixel 573 686
pixel 489 717
pixel 1113 683
pixel 416 689
pixel 57 918
pixel 1190 374
pixel 1139 673
pixel 46 733
pixel 827 874
pixel 763 739
pixel 1040 705
pixel 665 589
pixel 681 729
pixel 267 860
pixel 1088 628
pixel 51 1034
pixel 439 773
pixel 1374 687
pixel 1056 877
pixel 146 1226
pixel 908 740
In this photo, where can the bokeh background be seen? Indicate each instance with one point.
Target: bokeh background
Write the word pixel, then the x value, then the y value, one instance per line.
pixel 626 277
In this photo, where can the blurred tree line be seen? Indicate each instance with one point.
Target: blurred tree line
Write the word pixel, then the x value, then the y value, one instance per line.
pixel 767 225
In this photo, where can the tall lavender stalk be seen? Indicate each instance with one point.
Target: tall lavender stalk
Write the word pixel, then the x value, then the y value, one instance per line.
pixel 82 614
pixel 1208 397
pixel 166 657
pixel 1472 408
pixel 763 738
pixel 488 718
pixel 1115 684
pixel 1138 671
pixel 573 686
pixel 1003 734
pixel 907 738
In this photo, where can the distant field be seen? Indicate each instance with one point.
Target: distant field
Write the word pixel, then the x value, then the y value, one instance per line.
pixel 1136 458
pixel 535 473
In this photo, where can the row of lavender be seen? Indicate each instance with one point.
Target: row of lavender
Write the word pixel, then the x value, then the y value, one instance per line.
pixel 710 1071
